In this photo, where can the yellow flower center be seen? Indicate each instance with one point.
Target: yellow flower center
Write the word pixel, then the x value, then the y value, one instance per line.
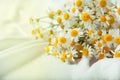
pixel 79 47
pixel 111 20
pixel 73 9
pixel 85 52
pixel 103 39
pixel 41 35
pixel 90 32
pixel 66 16
pixel 62 40
pixel 117 40
pixel 99 44
pixel 100 56
pixel 105 49
pixel 58 11
pixel 38 30
pixel 103 3
pixel 63 57
pixel 118 10
pixel 59 20
pixel 51 32
pixel 94 40
pixel 117 54
pixel 55 54
pixel 102 18
pixel 70 56
pixel 49 40
pixel 72 43
pixel 47 50
pixel 108 10
pixel 85 16
pixel 55 45
pixel 56 40
pixel 51 14
pixel 99 32
pixel 33 31
pixel 74 33
pixel 78 3
pixel 108 37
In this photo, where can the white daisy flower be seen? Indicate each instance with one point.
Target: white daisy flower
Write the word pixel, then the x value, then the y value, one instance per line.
pixel 75 34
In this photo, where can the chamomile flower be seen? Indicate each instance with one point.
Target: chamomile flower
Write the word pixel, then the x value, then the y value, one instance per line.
pixel 71 54
pixel 75 34
pixel 103 21
pixel 102 5
pixel 86 17
pixel 101 56
pixel 116 54
pixel 87 51
pixel 88 28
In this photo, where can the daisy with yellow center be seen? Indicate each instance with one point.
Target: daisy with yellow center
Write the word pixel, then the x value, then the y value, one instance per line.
pixel 71 53
pixel 73 9
pixel 62 40
pixel 72 43
pixel 38 30
pixel 102 3
pixel 117 54
pixel 59 20
pixel 49 40
pixel 93 40
pixel 105 49
pixel 70 56
pixel 75 34
pixel 33 31
pixel 47 50
pixel 59 12
pixel 79 47
pixel 102 18
pixel 40 35
pixel 55 45
pixel 66 16
pixel 90 32
pixel 51 14
pixel 55 42
pixel 117 40
pixel 85 52
pixel 99 33
pixel 63 57
pixel 78 3
pixel 55 54
pixel 51 32
pixel 99 44
pixel 108 37
pixel 111 20
pixel 85 16
pixel 118 10
pixel 101 56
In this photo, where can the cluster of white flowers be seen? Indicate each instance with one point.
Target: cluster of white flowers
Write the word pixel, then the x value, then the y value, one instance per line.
pixel 84 28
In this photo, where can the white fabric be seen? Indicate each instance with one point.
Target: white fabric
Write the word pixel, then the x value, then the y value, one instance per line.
pixel 22 58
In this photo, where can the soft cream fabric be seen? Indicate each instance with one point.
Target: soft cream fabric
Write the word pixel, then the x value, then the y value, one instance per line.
pixel 21 57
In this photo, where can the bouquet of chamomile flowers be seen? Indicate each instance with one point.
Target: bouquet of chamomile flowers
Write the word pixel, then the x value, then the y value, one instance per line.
pixel 89 28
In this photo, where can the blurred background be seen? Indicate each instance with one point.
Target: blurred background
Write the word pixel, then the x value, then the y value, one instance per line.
pixel 15 14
